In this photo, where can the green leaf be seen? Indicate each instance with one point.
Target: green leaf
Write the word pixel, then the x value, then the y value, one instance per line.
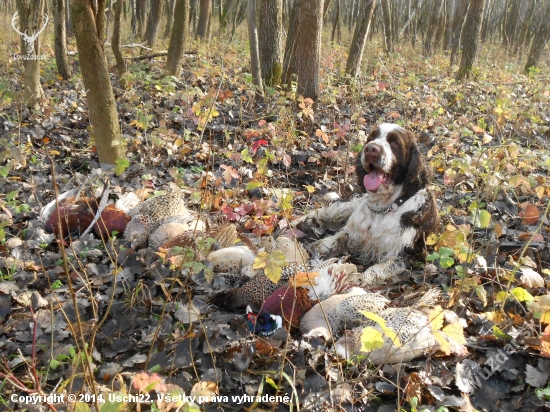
pixel 114 406
pixel 81 407
pixel 484 219
pixel 54 363
pixel 253 184
pixel 371 339
pixel 432 256
pixel 272 264
pixel 446 251
pixel 446 262
pixel 245 156
pixel 11 195
pixel 121 166
pixel 522 295
pixel 500 334
pixel 271 382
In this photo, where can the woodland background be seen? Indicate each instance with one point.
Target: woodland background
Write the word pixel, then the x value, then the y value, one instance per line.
pixel 256 109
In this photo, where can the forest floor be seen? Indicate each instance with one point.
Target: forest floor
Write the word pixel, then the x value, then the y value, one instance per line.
pixel 257 163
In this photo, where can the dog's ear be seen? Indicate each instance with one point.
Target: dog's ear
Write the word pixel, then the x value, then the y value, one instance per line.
pixel 360 171
pixel 418 173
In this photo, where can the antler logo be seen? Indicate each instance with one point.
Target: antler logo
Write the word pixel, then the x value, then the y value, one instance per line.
pixel 29 40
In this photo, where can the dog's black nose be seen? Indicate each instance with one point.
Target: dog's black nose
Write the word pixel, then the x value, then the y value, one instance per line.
pixel 371 152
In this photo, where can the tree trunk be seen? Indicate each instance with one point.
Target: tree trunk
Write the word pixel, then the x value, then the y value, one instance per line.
pixel 448 35
pixel 471 32
pixel 31 23
pixel 169 18
pixel 101 20
pixel 526 24
pixel 512 19
pixel 540 39
pixel 204 17
pixel 254 49
pixel 432 28
pixel 303 47
pixel 115 43
pixel 95 75
pixel 360 34
pixel 153 22
pixel 270 36
pixel 387 26
pixel 336 23
pixel 140 16
pixel 458 22
pixel 178 38
pixel 68 23
pixel 61 61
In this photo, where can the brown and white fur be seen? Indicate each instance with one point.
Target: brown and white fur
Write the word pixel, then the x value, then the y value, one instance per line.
pixel 396 209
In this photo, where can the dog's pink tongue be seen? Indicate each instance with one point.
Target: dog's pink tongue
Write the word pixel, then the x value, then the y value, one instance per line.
pixel 372 180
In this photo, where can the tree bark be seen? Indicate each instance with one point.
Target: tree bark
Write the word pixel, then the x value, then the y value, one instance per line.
pixel 448 35
pixel 204 17
pixel 31 23
pixel 432 29
pixel 153 22
pixel 95 75
pixel 140 16
pixel 540 39
pixel 254 48
pixel 303 47
pixel 115 43
pixel 178 38
pixel 60 41
pixel 270 36
pixel 471 32
pixel 170 4
pixel 458 22
pixel 388 37
pixel 360 34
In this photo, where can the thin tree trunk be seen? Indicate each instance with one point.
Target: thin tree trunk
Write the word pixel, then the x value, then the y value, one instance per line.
pixel 472 30
pixel 526 24
pixel 254 48
pixel 141 12
pixel 458 23
pixel 360 34
pixel 204 18
pixel 178 38
pixel 303 47
pixel 95 74
pixel 387 26
pixel 336 23
pixel 153 22
pixel 169 18
pixel 432 29
pixel 115 43
pixel 540 39
pixel 448 35
pixel 270 36
pixel 31 24
pixel 60 41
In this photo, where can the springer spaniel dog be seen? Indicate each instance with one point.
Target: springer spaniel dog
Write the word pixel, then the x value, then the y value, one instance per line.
pixel 395 212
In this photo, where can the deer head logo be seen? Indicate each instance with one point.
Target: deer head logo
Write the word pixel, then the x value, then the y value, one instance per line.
pixel 29 40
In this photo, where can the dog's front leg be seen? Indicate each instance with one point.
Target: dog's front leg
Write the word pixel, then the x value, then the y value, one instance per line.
pixel 384 272
pixel 333 217
pixel 335 245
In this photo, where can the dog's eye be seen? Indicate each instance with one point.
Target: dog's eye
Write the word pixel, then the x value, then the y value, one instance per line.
pixel 394 143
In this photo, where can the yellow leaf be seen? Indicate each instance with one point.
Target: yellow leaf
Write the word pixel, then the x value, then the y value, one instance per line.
pixel 371 339
pixel 522 295
pixel 309 188
pixel 435 318
pixel 501 296
pixel 389 332
pixel 542 191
